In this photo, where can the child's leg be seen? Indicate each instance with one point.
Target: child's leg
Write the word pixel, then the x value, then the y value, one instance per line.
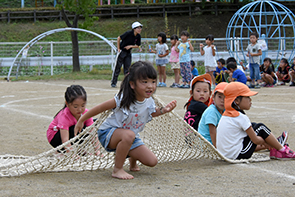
pixel 188 73
pixel 257 73
pixel 182 72
pixel 252 76
pixel 163 72
pixel 176 75
pixel 121 140
pixel 269 79
pixel 144 155
pixel 160 74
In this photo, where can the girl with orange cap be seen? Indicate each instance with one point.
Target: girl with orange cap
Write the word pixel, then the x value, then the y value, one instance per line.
pixel 212 115
pixel 237 137
pixel 200 94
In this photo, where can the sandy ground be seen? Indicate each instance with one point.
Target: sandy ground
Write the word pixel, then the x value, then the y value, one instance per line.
pixel 27 108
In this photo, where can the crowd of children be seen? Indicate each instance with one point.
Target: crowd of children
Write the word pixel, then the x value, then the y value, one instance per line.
pixel 219 117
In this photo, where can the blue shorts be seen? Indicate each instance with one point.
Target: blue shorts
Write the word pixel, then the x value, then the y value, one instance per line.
pixel 104 137
pixel 254 71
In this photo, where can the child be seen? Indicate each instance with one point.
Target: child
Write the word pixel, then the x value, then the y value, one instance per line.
pixel 184 50
pixel 220 71
pixel 292 73
pixel 254 51
pixel 236 137
pixel 283 72
pixel 195 71
pixel 161 58
pixel 236 74
pixel 212 115
pixel 130 39
pixel 174 61
pixel 61 129
pixel 132 108
pixel 209 52
pixel 200 93
pixel 268 75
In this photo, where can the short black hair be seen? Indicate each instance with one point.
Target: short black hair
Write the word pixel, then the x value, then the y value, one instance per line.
pixel 210 37
pixel 163 36
pixel 254 34
pixel 184 33
pixel 231 65
pixel 231 59
pixel 174 37
pixel 222 61
pixel 193 63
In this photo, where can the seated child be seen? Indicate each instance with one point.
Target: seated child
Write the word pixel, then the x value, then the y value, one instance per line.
pixel 200 93
pixel 283 72
pixel 220 71
pixel 268 75
pixel 292 73
pixel 237 137
pixel 236 74
pixel 212 115
pixel 194 69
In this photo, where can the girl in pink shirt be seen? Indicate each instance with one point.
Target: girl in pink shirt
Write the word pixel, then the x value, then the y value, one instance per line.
pixel 61 129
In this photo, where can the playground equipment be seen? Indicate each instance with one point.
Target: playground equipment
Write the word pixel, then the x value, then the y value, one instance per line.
pixel 273 22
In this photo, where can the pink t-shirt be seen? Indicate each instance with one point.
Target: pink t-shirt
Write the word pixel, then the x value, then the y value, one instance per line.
pixel 64 120
pixel 174 56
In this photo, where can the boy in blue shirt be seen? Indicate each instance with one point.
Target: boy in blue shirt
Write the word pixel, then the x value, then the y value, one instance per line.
pixel 195 71
pixel 235 73
pixel 220 71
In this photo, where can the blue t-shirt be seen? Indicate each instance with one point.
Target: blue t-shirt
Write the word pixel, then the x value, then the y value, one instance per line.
pixel 210 116
pixel 195 72
pixel 218 69
pixel 239 76
pixel 184 52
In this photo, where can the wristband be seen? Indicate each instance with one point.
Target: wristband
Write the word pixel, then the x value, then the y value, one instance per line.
pixel 161 110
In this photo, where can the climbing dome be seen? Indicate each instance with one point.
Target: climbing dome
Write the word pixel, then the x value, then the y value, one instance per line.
pixel 274 24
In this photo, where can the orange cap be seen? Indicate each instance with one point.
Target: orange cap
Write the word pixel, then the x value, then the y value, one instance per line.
pixel 231 92
pixel 204 78
pixel 219 88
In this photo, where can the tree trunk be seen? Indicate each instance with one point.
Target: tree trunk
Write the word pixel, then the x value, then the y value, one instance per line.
pixel 75 51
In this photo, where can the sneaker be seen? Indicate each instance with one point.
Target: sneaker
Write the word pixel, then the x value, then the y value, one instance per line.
pixel 186 86
pixel 164 85
pixel 174 85
pixel 181 86
pixel 285 154
pixel 251 86
pixel 113 85
pixel 159 84
pixel 272 153
pixel 282 139
pixel 257 86
pixel 292 84
pixel 281 83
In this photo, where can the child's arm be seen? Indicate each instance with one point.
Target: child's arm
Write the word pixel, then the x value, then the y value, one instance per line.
pixel 212 131
pixel 201 49
pixel 169 107
pixel 118 43
pixel 213 50
pixel 190 46
pixel 254 138
pixel 109 104
pixel 256 54
pixel 164 55
pixel 176 46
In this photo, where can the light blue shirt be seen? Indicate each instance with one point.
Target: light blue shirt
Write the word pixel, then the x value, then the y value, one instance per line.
pixel 210 116
pixel 184 52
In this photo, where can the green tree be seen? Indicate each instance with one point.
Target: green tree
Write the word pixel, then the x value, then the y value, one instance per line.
pixel 80 9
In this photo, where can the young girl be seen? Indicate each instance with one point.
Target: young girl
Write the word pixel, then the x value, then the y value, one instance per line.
pixel 61 129
pixel 132 108
pixel 268 75
pixel 212 115
pixel 283 71
pixel 236 137
pixel 292 73
pixel 174 61
pixel 198 102
pixel 161 58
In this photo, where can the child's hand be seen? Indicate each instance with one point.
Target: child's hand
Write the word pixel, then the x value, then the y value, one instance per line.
pixel 177 43
pixel 212 46
pixel 189 41
pixel 241 63
pixel 201 45
pixel 78 128
pixel 170 106
pixel 247 54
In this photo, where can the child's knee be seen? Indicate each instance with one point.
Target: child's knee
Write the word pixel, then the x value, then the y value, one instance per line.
pixel 153 161
pixel 128 137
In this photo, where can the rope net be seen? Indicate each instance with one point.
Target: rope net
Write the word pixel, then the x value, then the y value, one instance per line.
pixel 168 136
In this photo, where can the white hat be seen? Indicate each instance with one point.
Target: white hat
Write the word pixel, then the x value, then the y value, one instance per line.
pixel 136 24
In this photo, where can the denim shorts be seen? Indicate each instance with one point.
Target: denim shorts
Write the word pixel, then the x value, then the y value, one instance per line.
pixel 254 71
pixel 104 137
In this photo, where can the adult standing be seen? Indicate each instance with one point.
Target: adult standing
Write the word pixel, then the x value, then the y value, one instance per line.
pixel 125 43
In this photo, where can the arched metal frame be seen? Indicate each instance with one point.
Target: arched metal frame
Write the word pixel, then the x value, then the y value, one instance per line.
pixel 43 35
pixel 254 17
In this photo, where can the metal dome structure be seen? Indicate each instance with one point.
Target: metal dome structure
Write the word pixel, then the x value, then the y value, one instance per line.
pixel 274 24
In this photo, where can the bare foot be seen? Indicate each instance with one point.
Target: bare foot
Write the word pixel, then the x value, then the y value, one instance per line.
pixel 121 174
pixel 133 166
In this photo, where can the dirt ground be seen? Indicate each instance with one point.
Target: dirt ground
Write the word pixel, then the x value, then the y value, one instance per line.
pixel 27 108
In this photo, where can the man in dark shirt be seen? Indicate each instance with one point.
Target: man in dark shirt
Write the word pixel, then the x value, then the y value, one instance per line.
pixel 130 39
